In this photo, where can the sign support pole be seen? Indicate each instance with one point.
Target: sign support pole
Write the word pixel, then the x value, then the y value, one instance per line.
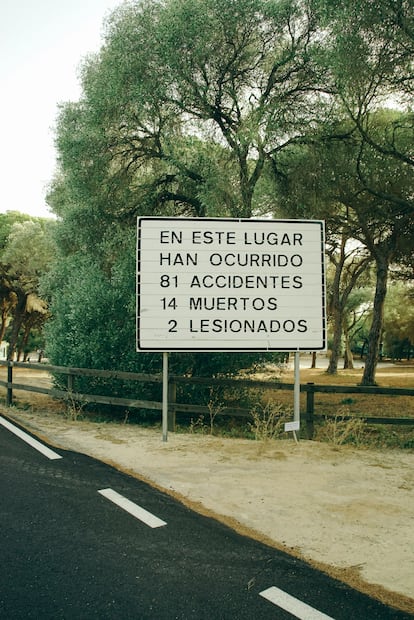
pixel 165 396
pixel 296 394
pixel 295 425
pixel 296 402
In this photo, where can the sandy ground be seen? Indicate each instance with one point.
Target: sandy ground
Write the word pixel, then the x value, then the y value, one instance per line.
pixel 349 512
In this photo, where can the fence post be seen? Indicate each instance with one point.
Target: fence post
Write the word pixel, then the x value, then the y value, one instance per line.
pixel 310 408
pixel 9 395
pixel 172 399
pixel 71 379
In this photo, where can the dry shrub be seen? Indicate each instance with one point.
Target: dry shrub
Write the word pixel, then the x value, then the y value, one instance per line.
pixel 214 409
pixel 340 429
pixel 74 406
pixel 269 420
pixel 198 425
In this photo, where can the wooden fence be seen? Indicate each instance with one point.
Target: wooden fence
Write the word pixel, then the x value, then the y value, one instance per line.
pixel 68 392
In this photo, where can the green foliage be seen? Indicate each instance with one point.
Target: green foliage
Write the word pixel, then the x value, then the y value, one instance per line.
pixel 26 252
pixel 93 309
pixel 365 194
pixel 186 101
pixel 7 221
pixel 180 110
pixel 219 108
pixel 398 335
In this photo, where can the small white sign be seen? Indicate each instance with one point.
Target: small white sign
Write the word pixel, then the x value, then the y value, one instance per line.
pixel 206 284
pixel 292 426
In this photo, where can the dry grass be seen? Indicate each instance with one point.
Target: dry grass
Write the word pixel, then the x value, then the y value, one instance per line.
pixel 364 405
pixel 334 428
pixel 341 430
pixel 31 400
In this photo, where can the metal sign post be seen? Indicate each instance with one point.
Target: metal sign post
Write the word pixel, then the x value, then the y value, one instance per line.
pixel 295 425
pixel 296 396
pixel 165 396
pixel 296 401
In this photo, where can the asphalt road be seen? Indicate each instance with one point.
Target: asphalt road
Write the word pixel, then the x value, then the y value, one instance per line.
pixel 69 551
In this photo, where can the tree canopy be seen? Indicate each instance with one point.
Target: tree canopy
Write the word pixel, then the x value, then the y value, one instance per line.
pixel 228 108
pixel 26 253
pixel 188 101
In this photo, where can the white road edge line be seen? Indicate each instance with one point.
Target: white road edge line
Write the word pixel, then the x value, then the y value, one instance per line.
pixel 30 440
pixel 293 605
pixel 136 511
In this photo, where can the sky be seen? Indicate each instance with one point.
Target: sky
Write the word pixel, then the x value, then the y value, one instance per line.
pixel 42 44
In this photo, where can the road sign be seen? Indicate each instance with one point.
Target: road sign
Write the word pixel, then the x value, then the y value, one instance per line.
pixel 206 284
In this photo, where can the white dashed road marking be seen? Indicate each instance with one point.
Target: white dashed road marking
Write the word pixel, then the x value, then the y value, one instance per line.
pixel 293 605
pixel 136 511
pixel 30 440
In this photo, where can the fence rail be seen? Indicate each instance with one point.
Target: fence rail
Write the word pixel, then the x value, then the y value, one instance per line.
pixel 310 389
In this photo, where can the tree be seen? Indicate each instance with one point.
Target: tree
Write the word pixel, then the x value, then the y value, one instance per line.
pixel 31 333
pixel 27 255
pixel 370 60
pixel 307 186
pixel 180 113
pixel 326 178
pixel 383 225
pixel 349 263
pixel 182 90
pixel 398 333
pixel 8 297
pixel 370 57
pixel 355 319
pixel 192 106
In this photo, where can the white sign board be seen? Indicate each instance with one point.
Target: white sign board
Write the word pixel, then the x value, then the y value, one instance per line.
pixel 230 285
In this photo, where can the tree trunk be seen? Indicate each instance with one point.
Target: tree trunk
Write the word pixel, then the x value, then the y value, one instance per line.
pixel 248 179
pixel 3 326
pixel 336 341
pixel 375 333
pixel 336 309
pixel 348 357
pixel 19 311
pixel 25 340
